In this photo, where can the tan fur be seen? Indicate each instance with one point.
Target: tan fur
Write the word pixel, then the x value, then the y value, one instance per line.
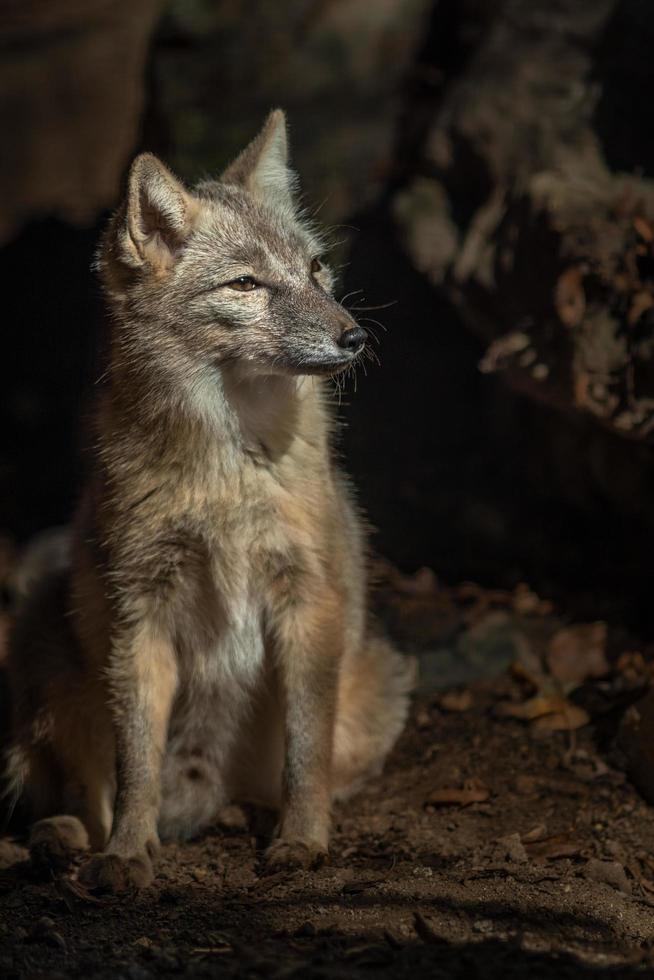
pixel 209 642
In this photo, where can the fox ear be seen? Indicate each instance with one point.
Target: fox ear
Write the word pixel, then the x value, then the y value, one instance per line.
pixel 159 214
pixel 262 167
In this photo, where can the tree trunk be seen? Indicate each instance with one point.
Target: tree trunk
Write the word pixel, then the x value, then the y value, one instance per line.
pixel 531 205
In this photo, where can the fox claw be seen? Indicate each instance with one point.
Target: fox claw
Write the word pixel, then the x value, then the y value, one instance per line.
pixel 294 854
pixel 112 873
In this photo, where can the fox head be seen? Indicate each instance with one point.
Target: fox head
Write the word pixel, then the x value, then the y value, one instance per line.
pixel 227 273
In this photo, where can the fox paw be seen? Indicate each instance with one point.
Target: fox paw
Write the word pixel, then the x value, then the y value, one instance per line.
pixel 56 842
pixel 294 854
pixel 112 873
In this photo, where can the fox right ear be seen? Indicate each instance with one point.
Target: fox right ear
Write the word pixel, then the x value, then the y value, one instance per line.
pixel 262 167
pixel 159 214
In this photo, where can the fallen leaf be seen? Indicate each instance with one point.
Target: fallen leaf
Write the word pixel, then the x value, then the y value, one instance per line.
pixel 640 302
pixel 537 833
pixel 224 950
pixel 632 666
pixel 584 765
pixel 456 701
pixel 576 653
pixel 527 603
pixel 582 397
pixel 553 848
pixel 644 228
pixel 74 893
pixel 526 784
pixel 569 296
pixel 423 719
pixel 502 350
pixel 568 719
pixel 539 705
pixel 358 886
pixel 647 885
pixel 470 792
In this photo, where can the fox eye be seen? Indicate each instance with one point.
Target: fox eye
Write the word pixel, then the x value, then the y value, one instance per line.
pixel 316 266
pixel 243 284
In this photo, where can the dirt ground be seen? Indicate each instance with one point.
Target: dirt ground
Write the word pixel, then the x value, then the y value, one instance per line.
pixel 495 844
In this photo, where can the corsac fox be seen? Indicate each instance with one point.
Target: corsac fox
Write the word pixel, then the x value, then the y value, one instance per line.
pixel 208 642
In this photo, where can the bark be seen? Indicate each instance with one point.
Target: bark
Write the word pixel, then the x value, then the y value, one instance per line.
pixel 71 96
pixel 520 207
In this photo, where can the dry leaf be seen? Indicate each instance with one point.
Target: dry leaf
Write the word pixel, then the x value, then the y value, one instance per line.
pixel 526 784
pixel 471 792
pixel 74 893
pixel 423 719
pixel 633 667
pixel 644 228
pixel 576 653
pixel 527 603
pixel 640 302
pixel 582 397
pixel 503 350
pixel 551 848
pixel 568 719
pixel 456 701
pixel 584 765
pixel 535 707
pixel 537 833
pixel 645 883
pixel 569 296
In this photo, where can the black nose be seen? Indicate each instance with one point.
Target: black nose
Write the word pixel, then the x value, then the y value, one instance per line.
pixel 352 339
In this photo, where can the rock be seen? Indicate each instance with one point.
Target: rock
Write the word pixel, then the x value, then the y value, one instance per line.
pixel 609 872
pixel 511 848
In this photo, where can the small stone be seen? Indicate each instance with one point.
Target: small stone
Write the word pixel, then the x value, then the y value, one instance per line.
pixel 511 848
pixel 609 873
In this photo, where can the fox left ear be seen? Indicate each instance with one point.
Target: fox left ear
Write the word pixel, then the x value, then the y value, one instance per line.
pixel 159 214
pixel 262 167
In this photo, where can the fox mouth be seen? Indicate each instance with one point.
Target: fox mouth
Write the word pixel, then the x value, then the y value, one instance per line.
pixel 324 365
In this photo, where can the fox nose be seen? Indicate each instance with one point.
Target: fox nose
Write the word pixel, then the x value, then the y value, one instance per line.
pixel 352 339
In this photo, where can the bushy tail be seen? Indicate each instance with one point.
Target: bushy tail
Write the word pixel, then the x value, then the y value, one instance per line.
pixel 45 554
pixel 373 702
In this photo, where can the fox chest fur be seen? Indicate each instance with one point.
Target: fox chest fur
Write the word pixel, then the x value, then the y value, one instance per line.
pixel 215 544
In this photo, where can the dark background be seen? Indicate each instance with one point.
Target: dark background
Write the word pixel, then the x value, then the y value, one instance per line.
pixel 407 118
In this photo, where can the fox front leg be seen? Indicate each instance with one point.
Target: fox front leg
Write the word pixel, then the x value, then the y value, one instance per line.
pixel 143 677
pixel 308 646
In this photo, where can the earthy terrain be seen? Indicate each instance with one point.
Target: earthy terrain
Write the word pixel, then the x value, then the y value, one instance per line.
pixel 503 839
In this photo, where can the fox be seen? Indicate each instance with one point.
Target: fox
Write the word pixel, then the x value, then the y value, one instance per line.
pixel 207 642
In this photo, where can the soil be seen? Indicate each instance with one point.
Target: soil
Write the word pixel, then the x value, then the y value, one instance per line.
pixel 491 845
